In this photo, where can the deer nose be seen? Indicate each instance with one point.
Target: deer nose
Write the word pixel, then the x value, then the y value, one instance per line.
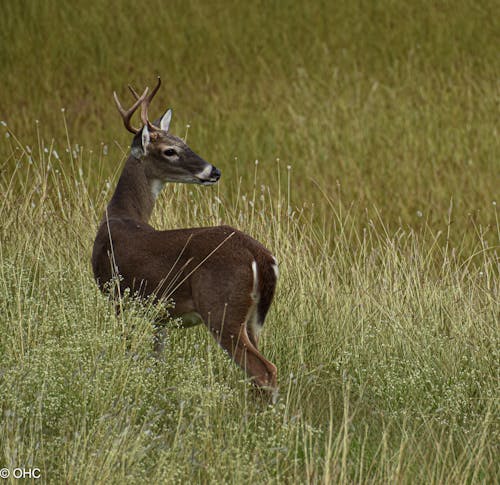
pixel 215 173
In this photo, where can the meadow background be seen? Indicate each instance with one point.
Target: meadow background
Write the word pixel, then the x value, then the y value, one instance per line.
pixel 375 127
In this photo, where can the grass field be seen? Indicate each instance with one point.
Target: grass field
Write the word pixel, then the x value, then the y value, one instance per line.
pixel 375 127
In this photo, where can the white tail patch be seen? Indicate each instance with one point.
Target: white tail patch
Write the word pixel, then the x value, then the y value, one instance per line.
pixel 275 267
pixel 276 270
pixel 255 286
pixel 251 320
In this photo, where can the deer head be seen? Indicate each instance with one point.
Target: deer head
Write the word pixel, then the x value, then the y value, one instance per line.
pixel 165 157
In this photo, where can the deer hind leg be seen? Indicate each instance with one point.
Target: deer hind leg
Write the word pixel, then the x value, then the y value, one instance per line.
pixel 227 312
pixel 238 345
pixel 254 327
pixel 234 339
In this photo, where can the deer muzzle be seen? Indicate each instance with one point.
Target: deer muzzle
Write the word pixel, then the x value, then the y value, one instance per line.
pixel 209 175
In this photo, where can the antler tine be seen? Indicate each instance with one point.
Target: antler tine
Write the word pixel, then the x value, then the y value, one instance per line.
pixel 145 106
pixel 133 91
pixel 127 114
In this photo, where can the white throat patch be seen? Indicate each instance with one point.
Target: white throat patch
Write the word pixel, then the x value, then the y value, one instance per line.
pixel 156 186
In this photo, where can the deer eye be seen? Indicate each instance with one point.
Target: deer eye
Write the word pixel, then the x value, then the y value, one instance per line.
pixel 169 152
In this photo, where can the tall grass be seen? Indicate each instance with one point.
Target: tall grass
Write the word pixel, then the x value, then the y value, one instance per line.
pixel 376 99
pixel 375 131
pixel 387 350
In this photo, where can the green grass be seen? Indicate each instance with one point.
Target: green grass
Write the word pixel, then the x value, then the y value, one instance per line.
pixel 385 326
pixel 375 98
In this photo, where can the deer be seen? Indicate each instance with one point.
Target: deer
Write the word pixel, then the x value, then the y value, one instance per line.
pixel 217 276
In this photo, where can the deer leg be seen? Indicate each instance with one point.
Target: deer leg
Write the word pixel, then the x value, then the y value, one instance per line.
pixel 254 328
pixel 238 345
pixel 160 335
pixel 226 305
pixel 229 328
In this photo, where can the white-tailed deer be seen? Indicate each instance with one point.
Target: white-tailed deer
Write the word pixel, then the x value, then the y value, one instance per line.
pixel 215 275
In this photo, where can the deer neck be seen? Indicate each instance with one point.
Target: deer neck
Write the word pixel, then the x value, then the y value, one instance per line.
pixel 135 195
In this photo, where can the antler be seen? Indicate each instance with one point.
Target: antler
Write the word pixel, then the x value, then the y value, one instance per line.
pixel 127 115
pixel 145 105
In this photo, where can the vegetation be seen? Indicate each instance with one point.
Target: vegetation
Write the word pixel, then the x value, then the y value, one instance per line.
pixel 374 126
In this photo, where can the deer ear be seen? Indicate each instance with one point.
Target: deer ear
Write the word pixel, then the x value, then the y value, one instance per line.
pixel 145 138
pixel 140 143
pixel 165 120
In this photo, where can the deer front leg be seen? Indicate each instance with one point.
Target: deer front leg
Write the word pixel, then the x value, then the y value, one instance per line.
pixel 186 320
pixel 160 335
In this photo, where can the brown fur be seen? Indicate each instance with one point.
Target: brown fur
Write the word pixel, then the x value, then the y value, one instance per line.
pixel 207 270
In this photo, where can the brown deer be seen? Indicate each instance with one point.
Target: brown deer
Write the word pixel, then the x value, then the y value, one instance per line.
pixel 218 275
